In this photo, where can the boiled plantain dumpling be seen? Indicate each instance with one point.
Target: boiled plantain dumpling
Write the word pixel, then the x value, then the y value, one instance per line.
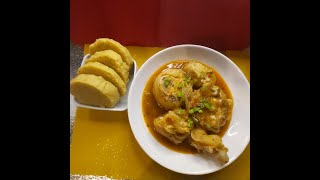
pixel 211 144
pixel 173 126
pixel 214 104
pixel 170 88
pixel 94 90
pixel 102 44
pixel 106 72
pixel 112 60
pixel 199 73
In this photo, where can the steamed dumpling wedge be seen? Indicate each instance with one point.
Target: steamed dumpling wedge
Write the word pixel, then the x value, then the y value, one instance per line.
pixel 110 44
pixel 94 90
pixel 106 72
pixel 112 60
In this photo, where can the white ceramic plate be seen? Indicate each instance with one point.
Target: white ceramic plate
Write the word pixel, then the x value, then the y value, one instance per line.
pixel 122 105
pixel 235 139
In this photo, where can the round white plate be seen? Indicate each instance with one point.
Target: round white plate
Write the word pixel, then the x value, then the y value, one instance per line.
pixel 235 139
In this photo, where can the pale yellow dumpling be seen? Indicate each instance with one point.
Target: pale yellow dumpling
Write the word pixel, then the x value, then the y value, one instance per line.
pixel 102 44
pixel 94 90
pixel 112 60
pixel 106 72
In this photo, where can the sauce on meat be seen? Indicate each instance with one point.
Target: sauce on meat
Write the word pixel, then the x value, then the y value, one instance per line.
pixel 151 109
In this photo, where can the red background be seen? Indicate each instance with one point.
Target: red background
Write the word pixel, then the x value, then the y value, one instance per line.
pixel 219 24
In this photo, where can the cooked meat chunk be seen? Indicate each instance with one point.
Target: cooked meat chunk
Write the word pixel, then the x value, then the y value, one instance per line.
pixel 199 73
pixel 211 144
pixel 173 127
pixel 210 107
pixel 170 89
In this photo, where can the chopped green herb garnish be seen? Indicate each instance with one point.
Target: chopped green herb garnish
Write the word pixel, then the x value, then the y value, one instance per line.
pixel 207 105
pixel 180 85
pixel 188 79
pixel 167 81
pixel 195 109
pixel 208 126
pixel 181 111
pixel 180 94
pixel 210 107
pixel 190 123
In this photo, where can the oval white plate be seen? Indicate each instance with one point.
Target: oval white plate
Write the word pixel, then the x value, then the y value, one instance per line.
pixel 235 139
pixel 122 105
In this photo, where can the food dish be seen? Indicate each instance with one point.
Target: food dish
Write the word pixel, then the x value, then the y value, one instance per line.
pixel 166 86
pixel 112 60
pixel 236 136
pixel 105 63
pixel 107 73
pixel 94 90
pixel 195 106
pixel 106 43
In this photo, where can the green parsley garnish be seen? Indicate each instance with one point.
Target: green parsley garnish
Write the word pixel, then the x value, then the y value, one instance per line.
pixel 167 81
pixel 190 123
pixel 195 109
pixel 207 105
pixel 181 111
pixel 180 94
pixel 188 79
pixel 208 126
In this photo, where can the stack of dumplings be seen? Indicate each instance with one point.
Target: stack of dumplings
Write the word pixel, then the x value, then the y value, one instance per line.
pixel 102 80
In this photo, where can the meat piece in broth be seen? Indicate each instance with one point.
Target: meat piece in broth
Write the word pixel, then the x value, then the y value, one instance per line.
pixel 173 126
pixel 214 108
pixel 211 144
pixel 199 73
pixel 170 89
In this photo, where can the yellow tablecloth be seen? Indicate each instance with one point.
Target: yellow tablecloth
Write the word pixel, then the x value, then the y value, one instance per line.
pixel 103 143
